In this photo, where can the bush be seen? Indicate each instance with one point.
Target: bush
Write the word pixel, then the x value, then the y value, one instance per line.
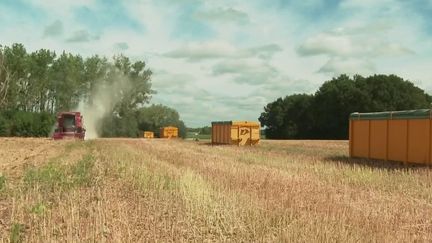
pixel 3 126
pixel 25 124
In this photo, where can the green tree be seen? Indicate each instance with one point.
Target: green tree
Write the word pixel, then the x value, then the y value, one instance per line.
pixel 115 126
pixel 338 98
pixel 38 68
pixel 135 89
pixel 325 114
pixel 67 82
pixel 3 126
pixel 15 59
pixel 5 79
pixel 95 71
pixel 290 117
pixel 36 85
pixel 205 130
pixel 392 93
pixel 154 117
pixel 129 85
pixel 334 101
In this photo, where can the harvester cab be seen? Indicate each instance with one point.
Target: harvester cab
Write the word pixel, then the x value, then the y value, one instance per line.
pixel 69 126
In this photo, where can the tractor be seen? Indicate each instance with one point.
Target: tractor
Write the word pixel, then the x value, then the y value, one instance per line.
pixel 69 126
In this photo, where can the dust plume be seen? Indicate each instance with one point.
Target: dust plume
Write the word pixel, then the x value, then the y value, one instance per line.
pixel 101 103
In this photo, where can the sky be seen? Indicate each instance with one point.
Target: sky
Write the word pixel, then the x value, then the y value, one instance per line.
pixel 225 60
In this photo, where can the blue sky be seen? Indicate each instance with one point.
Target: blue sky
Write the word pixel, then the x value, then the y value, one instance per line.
pixel 225 60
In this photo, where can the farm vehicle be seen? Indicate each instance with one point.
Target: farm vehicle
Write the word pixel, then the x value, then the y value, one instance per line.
pixel 69 126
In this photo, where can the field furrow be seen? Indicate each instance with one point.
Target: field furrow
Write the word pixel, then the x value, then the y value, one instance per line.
pixel 160 190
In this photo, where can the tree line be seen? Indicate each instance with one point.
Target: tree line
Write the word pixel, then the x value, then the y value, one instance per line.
pixel 150 118
pixel 325 114
pixel 34 86
pixel 206 130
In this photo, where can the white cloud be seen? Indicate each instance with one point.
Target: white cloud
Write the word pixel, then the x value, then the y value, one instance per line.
pixel 254 55
pixel 328 44
pixel 224 15
pixel 241 67
pixel 358 48
pixel 53 30
pixel 121 46
pixel 172 82
pixel 82 36
pixel 368 4
pixel 265 51
pixel 393 50
pixel 349 66
pixel 221 49
pixel 62 8
pixel 252 72
pixel 200 51
pixel 340 44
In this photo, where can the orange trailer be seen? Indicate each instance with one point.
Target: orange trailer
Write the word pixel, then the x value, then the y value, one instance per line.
pixel 169 132
pixel 236 132
pixel 148 134
pixel 404 136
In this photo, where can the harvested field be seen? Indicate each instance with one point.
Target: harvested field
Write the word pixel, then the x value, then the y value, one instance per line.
pixel 164 190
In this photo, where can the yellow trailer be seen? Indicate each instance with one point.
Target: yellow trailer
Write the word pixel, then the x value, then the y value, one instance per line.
pixel 404 136
pixel 148 134
pixel 236 132
pixel 169 132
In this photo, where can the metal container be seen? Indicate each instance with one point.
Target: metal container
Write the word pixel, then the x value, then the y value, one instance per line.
pixel 148 134
pixel 236 132
pixel 404 136
pixel 169 132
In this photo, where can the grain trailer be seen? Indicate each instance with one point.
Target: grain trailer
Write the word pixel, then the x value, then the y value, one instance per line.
pixel 169 132
pixel 404 136
pixel 236 132
pixel 148 134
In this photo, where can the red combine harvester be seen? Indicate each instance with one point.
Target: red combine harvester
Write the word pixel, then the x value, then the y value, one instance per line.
pixel 69 126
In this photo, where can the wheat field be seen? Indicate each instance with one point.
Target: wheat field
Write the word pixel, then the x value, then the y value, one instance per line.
pixel 125 190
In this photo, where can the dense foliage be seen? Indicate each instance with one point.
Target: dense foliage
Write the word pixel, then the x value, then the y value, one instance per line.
pixel 206 130
pixel 324 115
pixel 35 86
pixel 150 118
pixel 25 124
pixel 156 116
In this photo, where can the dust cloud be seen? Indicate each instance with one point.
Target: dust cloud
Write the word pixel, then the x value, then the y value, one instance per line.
pixel 101 103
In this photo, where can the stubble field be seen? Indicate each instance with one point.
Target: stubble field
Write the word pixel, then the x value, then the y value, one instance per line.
pixel 126 190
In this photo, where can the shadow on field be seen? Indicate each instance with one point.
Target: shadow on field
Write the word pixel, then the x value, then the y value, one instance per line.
pixel 378 164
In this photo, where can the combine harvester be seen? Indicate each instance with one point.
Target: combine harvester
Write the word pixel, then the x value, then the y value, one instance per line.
pixel 69 126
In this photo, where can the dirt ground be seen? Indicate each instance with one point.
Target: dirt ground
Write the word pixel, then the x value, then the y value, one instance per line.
pixel 137 190
pixel 19 153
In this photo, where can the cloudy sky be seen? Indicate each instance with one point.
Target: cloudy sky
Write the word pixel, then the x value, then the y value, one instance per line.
pixel 224 60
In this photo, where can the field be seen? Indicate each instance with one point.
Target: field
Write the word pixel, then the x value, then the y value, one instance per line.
pixel 159 190
pixel 193 136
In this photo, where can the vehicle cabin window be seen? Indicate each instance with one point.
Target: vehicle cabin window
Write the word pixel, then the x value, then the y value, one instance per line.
pixel 69 122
